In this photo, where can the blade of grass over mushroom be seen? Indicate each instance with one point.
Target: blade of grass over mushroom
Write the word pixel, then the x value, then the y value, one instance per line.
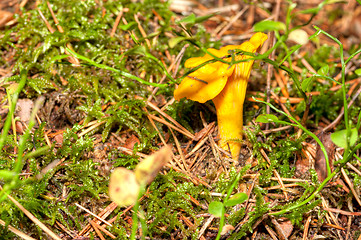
pixel 239 52
pixel 263 57
pixel 124 74
pixel 258 57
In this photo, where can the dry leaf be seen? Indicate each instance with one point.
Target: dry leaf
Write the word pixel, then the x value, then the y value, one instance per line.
pixel 131 141
pixel 283 227
pixel 148 169
pixel 226 228
pixel 320 161
pixel 302 166
pixel 123 187
pixel 24 107
pixel 59 139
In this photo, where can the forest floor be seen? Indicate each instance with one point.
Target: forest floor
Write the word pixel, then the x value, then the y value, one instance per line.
pixel 88 86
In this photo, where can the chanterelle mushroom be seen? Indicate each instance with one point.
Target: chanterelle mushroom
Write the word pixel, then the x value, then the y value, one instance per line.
pixel 225 85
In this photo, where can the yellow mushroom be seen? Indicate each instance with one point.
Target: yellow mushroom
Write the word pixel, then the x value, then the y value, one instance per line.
pixel 225 85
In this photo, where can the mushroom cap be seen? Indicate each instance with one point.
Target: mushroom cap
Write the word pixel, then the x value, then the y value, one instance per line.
pixel 209 80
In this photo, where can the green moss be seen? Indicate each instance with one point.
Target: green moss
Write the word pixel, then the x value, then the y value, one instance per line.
pixel 169 194
pixel 87 90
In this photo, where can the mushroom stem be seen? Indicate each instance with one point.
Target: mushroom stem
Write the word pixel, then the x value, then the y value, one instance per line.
pixel 229 105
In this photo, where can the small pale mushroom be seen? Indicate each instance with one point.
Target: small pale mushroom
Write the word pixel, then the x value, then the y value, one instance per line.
pixel 225 85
